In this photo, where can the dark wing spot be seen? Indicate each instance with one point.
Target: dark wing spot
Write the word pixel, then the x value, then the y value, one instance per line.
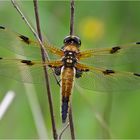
pixel 137 74
pixel 28 62
pixel 1 27
pixel 25 39
pixel 115 49
pixel 137 42
pixel 50 65
pixel 86 70
pixel 1 58
pixel 107 72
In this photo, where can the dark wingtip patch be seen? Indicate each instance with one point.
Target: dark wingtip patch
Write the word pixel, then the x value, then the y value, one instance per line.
pixel 86 70
pixel 1 58
pixel 115 49
pixel 1 27
pixel 137 74
pixel 25 39
pixel 137 42
pixel 28 62
pixel 107 72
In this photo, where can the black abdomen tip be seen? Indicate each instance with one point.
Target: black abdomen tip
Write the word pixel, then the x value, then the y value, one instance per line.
pixel 65 101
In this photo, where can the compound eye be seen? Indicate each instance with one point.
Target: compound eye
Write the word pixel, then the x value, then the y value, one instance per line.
pixel 67 39
pixel 77 40
pixel 72 40
pixel 80 42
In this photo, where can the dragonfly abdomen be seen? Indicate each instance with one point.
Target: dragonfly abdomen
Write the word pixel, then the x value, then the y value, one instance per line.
pixel 67 75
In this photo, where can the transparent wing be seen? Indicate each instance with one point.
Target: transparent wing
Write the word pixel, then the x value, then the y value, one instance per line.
pixel 97 79
pixel 112 57
pixel 23 45
pixel 26 71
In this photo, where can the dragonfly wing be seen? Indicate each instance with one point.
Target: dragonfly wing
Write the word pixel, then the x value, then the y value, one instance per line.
pixel 11 41
pixel 107 80
pixel 23 45
pixel 114 57
pixel 26 71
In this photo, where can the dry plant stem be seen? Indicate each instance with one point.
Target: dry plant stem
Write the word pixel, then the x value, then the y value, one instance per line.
pixel 28 24
pixel 71 33
pixel 64 129
pixel 72 17
pixel 71 124
pixel 45 72
pixel 35 34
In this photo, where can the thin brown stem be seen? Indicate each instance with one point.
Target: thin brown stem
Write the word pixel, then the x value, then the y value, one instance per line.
pixel 45 71
pixel 72 17
pixel 71 123
pixel 29 25
pixel 35 34
pixel 71 33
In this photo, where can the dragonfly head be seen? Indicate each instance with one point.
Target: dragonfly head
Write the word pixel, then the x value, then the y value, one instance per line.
pixel 74 40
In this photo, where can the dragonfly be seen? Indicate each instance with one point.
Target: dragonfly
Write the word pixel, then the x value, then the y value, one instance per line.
pixel 96 69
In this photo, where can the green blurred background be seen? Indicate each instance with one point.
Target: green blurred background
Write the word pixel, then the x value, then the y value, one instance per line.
pixel 96 115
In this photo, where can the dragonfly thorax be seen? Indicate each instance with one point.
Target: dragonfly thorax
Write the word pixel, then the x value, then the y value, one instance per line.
pixel 69 59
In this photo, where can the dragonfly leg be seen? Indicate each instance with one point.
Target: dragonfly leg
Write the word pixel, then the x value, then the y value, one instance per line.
pixel 58 82
pixel 57 71
pixel 78 73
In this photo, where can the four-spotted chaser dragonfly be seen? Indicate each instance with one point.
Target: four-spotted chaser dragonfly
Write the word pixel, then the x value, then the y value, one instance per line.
pixel 101 74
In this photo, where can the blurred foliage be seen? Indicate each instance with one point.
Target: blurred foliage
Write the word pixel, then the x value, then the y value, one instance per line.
pixel 99 24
